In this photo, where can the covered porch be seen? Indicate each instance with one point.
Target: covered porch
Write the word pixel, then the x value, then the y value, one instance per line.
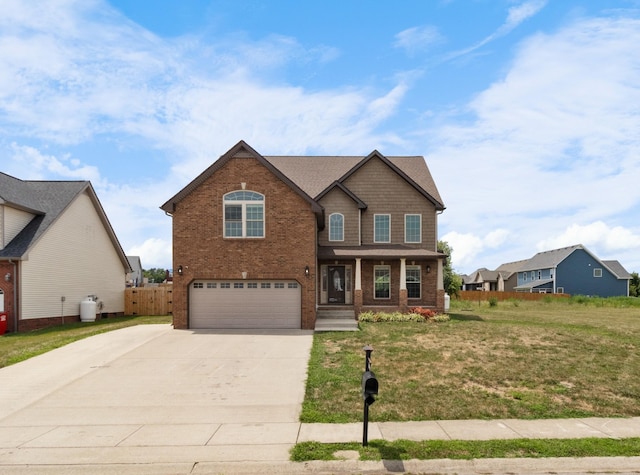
pixel 386 278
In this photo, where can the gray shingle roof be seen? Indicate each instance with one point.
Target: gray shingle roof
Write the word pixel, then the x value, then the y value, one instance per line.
pixel 548 259
pixel 534 283
pixel 46 200
pixel 511 267
pixel 316 173
pixel 617 269
pixel 311 175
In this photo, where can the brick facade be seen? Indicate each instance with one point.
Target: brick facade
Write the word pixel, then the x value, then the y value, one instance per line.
pixel 204 253
pixel 7 289
pixel 294 238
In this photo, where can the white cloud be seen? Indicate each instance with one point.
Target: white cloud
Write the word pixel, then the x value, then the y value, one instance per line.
pixel 597 234
pixel 467 247
pixel 133 211
pixel 520 13
pixel 554 142
pixel 37 166
pixel 102 74
pixel 515 17
pixel 418 38
pixel 153 252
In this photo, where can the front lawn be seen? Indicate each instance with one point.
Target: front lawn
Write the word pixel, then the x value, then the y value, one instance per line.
pixel 523 360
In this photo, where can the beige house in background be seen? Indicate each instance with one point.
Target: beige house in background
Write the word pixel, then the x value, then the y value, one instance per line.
pixel 56 248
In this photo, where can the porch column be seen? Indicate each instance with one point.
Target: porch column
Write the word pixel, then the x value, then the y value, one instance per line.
pixel 357 289
pixel 404 296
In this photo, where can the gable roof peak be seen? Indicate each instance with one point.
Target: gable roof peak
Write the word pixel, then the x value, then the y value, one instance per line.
pixel 242 150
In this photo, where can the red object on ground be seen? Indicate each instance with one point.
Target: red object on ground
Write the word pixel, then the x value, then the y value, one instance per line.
pixel 3 323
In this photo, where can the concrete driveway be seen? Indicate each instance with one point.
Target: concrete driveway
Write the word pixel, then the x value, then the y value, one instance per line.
pixel 153 395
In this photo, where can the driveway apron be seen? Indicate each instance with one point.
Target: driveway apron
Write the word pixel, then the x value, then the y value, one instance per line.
pixel 177 396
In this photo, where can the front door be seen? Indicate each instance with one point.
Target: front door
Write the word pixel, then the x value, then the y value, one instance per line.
pixel 336 284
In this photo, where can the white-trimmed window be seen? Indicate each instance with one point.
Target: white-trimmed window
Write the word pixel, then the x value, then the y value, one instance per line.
pixel 412 228
pixel 381 228
pixel 597 272
pixel 414 282
pixel 243 214
pixel 336 227
pixel 382 282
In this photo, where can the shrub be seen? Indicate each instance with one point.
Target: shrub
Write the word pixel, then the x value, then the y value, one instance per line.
pixel 441 317
pixel 427 313
pixel 415 314
pixel 493 301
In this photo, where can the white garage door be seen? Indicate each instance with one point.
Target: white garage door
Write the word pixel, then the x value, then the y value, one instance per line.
pixel 244 304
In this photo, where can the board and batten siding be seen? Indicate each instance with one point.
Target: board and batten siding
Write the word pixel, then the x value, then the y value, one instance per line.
pixel 13 221
pixel 73 259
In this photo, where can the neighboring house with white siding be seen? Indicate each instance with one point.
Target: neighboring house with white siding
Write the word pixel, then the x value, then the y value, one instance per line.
pixel 56 248
pixel 136 276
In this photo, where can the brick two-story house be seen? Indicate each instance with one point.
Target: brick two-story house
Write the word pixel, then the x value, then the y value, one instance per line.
pixel 267 242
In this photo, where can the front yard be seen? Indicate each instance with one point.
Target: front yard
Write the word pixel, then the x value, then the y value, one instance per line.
pixel 525 360
pixel 16 347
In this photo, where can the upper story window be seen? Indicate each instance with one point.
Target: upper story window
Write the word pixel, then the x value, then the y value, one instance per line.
pixel 243 214
pixel 597 272
pixel 382 228
pixel 412 228
pixel 336 227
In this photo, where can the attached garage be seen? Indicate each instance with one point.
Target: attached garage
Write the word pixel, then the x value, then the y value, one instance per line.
pixel 259 304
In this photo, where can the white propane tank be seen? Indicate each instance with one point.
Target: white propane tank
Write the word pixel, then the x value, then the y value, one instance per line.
pixel 88 310
pixel 447 302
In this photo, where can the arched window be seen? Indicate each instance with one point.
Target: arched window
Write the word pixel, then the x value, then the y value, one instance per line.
pixel 243 214
pixel 336 227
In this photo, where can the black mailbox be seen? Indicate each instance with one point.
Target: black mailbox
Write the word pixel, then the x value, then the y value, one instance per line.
pixel 369 387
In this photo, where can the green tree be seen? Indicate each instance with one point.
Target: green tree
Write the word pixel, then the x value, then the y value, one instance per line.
pixel 452 281
pixel 155 275
pixel 634 285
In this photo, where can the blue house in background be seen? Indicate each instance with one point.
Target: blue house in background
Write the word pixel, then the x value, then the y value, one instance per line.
pixel 573 270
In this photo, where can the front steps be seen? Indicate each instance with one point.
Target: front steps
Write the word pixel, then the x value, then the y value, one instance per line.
pixel 336 319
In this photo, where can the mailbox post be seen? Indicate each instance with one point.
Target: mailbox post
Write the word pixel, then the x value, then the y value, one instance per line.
pixel 369 390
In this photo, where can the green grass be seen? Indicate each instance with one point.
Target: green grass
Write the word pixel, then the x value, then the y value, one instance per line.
pixel 16 347
pixel 526 360
pixel 462 449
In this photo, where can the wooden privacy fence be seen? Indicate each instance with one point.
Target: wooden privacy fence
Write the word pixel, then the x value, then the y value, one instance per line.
pixel 478 295
pixel 148 300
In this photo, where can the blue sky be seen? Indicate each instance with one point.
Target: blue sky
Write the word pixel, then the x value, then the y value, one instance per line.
pixel 525 110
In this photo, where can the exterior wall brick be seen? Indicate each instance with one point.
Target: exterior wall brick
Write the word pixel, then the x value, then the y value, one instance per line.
pixel 429 295
pixel 201 249
pixel 7 289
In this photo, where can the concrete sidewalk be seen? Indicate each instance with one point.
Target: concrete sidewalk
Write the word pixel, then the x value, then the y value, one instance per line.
pixel 149 399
